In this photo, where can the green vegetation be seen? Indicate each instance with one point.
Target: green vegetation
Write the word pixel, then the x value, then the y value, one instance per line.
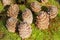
pixel 53 33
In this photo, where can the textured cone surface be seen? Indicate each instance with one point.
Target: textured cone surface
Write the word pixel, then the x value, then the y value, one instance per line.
pixel 27 16
pixel 44 1
pixel 35 6
pixel 24 30
pixel 53 12
pixel 42 20
pixel 6 2
pixel 13 11
pixel 11 24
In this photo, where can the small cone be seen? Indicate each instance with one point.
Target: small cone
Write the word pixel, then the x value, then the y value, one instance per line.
pixel 53 11
pixel 35 6
pixel 24 30
pixel 27 16
pixel 11 24
pixel 13 11
pixel 6 2
pixel 42 21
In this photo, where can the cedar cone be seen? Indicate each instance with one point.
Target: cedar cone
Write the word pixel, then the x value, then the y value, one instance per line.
pixel 6 2
pixel 42 20
pixel 53 11
pixel 24 30
pixel 11 24
pixel 27 16
pixel 13 11
pixel 35 6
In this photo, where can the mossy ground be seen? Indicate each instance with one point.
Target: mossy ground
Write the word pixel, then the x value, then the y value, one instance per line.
pixel 53 33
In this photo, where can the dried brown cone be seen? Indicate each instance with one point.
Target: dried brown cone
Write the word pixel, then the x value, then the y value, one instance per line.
pixel 27 16
pixel 11 24
pixel 35 6
pixel 44 1
pixel 6 2
pixel 24 30
pixel 42 21
pixel 13 11
pixel 53 11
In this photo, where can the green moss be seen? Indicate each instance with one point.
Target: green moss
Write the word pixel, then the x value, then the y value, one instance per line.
pixel 22 7
pixel 53 33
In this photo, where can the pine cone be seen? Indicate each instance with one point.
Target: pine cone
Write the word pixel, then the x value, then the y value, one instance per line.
pixel 11 24
pixel 35 6
pixel 13 11
pixel 44 1
pixel 6 2
pixel 42 21
pixel 53 11
pixel 27 16
pixel 24 30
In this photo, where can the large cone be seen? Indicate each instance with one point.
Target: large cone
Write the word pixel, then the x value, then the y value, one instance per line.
pixel 24 30
pixel 42 20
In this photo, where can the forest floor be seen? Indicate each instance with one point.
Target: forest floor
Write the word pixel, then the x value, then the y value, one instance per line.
pixel 53 33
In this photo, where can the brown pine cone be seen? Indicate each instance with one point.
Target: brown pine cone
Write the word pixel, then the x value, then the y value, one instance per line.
pixel 13 11
pixel 24 30
pixel 27 16
pixel 44 1
pixel 11 24
pixel 6 2
pixel 35 6
pixel 42 20
pixel 53 11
